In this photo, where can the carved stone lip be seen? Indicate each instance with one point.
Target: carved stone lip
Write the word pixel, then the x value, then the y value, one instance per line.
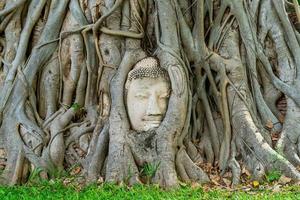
pixel 157 119
pixel 153 122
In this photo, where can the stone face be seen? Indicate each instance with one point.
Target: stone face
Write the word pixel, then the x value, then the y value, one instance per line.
pixel 147 95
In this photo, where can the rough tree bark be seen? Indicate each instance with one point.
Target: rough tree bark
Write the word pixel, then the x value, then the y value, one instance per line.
pixel 64 64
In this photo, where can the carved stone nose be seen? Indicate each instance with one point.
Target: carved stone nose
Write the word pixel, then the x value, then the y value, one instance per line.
pixel 153 106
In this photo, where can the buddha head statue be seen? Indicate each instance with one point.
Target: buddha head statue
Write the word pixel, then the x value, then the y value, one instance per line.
pixel 147 94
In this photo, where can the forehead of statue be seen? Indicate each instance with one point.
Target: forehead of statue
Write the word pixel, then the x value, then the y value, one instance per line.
pixel 148 83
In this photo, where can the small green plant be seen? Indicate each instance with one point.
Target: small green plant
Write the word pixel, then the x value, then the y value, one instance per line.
pixel 57 173
pixel 149 170
pixel 34 177
pixel 272 176
pixel 76 106
pixel 128 176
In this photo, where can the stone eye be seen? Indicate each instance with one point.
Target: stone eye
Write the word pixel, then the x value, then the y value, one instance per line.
pixel 141 96
pixel 165 96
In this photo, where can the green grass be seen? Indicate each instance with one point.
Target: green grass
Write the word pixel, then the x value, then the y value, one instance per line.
pixel 56 190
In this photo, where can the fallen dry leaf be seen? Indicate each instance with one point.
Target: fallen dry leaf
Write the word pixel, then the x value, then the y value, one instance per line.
pixel 227 182
pixel 255 184
pixel 100 180
pixel 276 188
pixel 245 171
pixel 281 118
pixel 269 125
pixel 76 171
pixel 67 181
pixel 284 180
pixel 246 189
pixel 215 179
pixel 195 185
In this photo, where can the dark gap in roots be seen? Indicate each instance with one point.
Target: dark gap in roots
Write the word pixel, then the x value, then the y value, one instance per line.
pixel 281 105
pixel 3 159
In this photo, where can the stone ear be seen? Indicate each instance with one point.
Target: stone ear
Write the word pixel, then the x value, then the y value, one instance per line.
pixel 127 84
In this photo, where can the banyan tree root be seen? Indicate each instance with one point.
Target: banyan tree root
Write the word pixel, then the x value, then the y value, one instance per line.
pixel 64 65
